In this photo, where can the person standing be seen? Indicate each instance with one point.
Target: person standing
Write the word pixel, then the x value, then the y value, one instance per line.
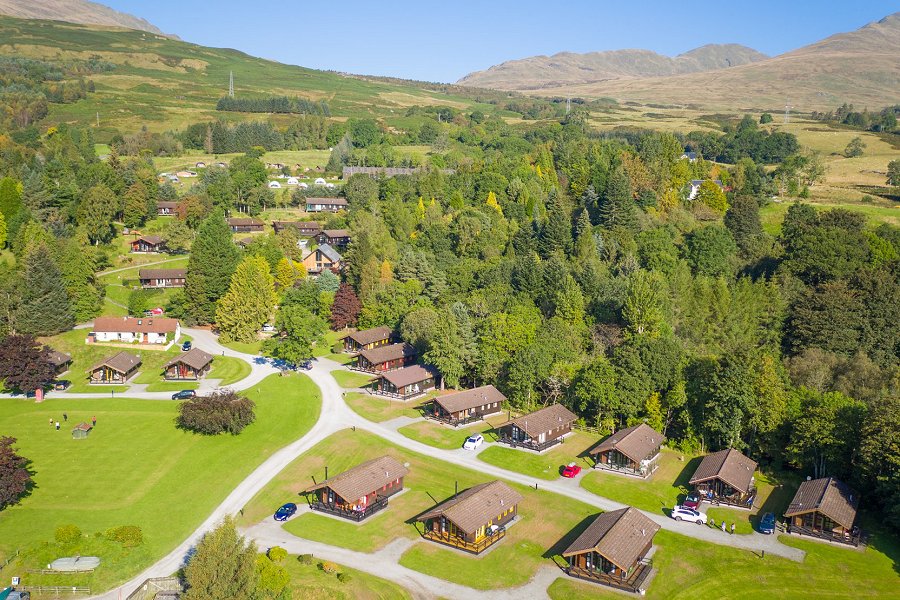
pixel 732 529
pixel 94 421
pixel 51 421
pixel 57 425
pixel 723 525
pixel 712 522
pixel 65 418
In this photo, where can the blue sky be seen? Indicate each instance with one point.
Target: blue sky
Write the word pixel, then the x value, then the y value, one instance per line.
pixel 444 41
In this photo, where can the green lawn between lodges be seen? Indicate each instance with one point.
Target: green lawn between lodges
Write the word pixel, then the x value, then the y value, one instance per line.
pixel 448 437
pixel 547 464
pixel 310 582
pixel 135 468
pixel 245 347
pixel 380 408
pixel 351 379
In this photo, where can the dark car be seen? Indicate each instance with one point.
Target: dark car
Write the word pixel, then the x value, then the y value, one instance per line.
pixel 692 501
pixel 184 395
pixel 306 365
pixel 767 523
pixel 61 384
pixel 285 512
pixel 186 346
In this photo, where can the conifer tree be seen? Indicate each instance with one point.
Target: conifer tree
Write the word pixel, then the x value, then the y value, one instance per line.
pixel 249 302
pixel 556 235
pixel 491 202
pixel 10 198
pixel 135 211
pixel 224 566
pixel 214 258
pixel 617 208
pixel 96 213
pixel 44 307
pixel 77 265
pixel 2 230
pixel 285 274
pixel 585 244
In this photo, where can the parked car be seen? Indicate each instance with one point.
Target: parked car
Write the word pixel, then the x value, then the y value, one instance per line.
pixel 184 395
pixel 306 365
pixel 571 470
pixel 186 346
pixel 767 523
pixel 683 513
pixel 61 384
pixel 268 328
pixel 692 501
pixel 285 512
pixel 473 442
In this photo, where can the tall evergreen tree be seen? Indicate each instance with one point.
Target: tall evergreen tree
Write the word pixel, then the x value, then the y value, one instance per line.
pixel 77 265
pixel 249 302
pixel 224 566
pixel 617 208
pixel 135 209
pixel 556 235
pixel 44 307
pixel 96 213
pixel 214 258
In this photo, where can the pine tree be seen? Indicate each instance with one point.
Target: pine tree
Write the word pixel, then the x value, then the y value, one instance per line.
pixel 556 235
pixel 2 230
pixel 96 213
pixel 285 275
pixel 249 302
pixel 214 258
pixel 328 281
pixel 591 202
pixel 345 308
pixel 224 566
pixel 617 208
pixel 77 264
pixel 135 211
pixel 44 307
pixel 585 244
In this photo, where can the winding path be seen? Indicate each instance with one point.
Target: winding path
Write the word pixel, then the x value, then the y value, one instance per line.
pixel 335 416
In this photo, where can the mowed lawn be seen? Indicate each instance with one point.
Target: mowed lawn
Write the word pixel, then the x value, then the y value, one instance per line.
pixel 448 437
pixel 379 408
pixel 310 582
pixel 351 379
pixel 137 468
pixel 547 464
pixel 690 569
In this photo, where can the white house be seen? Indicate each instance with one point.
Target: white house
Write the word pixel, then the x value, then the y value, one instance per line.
pixel 293 181
pixel 274 185
pixel 319 181
pixel 134 330
pixel 690 156
pixel 695 187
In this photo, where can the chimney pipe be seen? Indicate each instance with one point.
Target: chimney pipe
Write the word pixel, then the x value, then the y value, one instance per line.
pixel 455 488
pixel 326 471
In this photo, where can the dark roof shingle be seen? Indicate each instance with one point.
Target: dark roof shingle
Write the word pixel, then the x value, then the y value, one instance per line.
pixel 618 535
pixel 134 325
pixel 122 362
pixel 365 337
pixel 635 442
pixel 194 358
pixel 162 273
pixel 58 359
pixel 383 354
pixel 363 479
pixel 408 375
pixel 730 466
pixel 486 394
pixel 831 497
pixel 476 506
pixel 543 420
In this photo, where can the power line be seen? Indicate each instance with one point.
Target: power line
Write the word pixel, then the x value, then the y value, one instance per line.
pixel 231 84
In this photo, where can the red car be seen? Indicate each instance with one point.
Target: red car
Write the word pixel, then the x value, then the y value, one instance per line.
pixel 692 501
pixel 571 470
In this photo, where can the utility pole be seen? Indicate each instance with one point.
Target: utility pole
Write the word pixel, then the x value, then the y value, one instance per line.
pixel 231 84
pixel 787 112
pixel 568 105
pixel 98 119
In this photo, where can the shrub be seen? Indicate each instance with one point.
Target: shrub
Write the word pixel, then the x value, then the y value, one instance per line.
pixel 277 554
pixel 127 535
pixel 344 577
pixel 222 411
pixel 328 567
pixel 306 559
pixel 68 535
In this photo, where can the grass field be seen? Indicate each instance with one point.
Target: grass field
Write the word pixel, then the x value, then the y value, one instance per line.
pixel 773 214
pixel 379 409
pixel 310 582
pixel 545 465
pixel 445 436
pixel 135 468
pixel 119 285
pixel 351 379
pixel 246 348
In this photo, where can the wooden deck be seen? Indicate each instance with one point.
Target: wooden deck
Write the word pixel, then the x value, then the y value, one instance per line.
pixel 531 444
pixel 850 539
pixel 461 544
pixel 353 515
pixel 632 584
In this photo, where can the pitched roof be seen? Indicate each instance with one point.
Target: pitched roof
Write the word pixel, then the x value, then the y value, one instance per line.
pixel 336 233
pixel 476 506
pixel 150 239
pixel 132 324
pixel 122 362
pixel 327 201
pixel 635 442
pixel 162 273
pixel 58 359
pixel 304 225
pixel 194 358
pixel 368 336
pixel 82 427
pixel 833 498
pixel 363 479
pixel 618 535
pixel 166 204
pixel 243 221
pixel 330 253
pixel 486 394
pixel 409 375
pixel 730 466
pixel 383 354
pixel 543 420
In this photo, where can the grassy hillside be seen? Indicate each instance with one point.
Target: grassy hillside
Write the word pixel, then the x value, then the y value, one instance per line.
pixel 166 84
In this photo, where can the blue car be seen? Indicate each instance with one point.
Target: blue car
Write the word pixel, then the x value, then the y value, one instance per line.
pixel 186 346
pixel 285 512
pixel 767 524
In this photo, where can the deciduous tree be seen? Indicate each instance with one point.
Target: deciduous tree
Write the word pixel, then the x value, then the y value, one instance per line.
pixel 345 309
pixel 249 302
pixel 15 479
pixel 298 331
pixel 25 364
pixel 224 566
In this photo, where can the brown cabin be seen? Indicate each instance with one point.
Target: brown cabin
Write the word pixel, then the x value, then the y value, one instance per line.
pixel 467 406
pixel 165 208
pixel 192 365
pixel 367 339
pixel 162 278
pixel 725 477
pixel 304 228
pixel 474 519
pixel 334 237
pixel 117 368
pixel 147 244
pixel 385 358
pixel 323 258
pixel 60 361
pixel 360 492
pixel 326 204
pixel 245 225
pixel 612 550
pixel 406 383
pixel 633 450
pixel 540 429
pixel 826 509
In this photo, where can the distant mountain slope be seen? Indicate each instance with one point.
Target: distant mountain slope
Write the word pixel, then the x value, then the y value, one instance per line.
pixel 74 11
pixel 861 67
pixel 567 68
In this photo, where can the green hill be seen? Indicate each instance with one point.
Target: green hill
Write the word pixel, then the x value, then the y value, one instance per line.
pixel 165 83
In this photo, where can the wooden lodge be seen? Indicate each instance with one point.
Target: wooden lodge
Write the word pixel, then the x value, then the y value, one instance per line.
pixel 326 204
pixel 474 519
pixel 148 244
pixel 467 406
pixel 825 509
pixel 322 258
pixel 726 477
pixel 385 358
pixel 60 361
pixel 334 237
pixel 542 429
pixel 612 550
pixel 114 369
pixel 162 278
pixel 245 225
pixel 192 365
pixel 165 208
pixel 406 383
pixel 304 228
pixel 360 492
pixel 366 339
pixel 633 451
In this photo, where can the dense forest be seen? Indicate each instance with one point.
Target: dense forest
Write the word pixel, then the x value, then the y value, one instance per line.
pixel 273 104
pixel 558 263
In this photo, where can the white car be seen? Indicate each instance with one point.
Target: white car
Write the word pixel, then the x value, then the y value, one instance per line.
pixel 268 328
pixel 473 442
pixel 683 513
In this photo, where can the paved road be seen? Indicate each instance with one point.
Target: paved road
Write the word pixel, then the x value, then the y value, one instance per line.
pixel 335 416
pixel 149 264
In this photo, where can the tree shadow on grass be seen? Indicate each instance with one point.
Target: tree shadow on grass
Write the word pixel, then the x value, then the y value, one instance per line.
pixel 555 551
pixel 681 483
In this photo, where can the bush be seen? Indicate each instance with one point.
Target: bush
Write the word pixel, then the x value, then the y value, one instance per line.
pixel 277 554
pixel 344 577
pixel 220 412
pixel 337 348
pixel 67 535
pixel 306 559
pixel 328 567
pixel 127 535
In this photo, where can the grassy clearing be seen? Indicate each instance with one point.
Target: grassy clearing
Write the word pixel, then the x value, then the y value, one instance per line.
pixel 310 582
pixel 246 348
pixel 445 436
pixel 547 464
pixel 773 214
pixel 351 379
pixel 229 369
pixel 136 468
pixel 379 409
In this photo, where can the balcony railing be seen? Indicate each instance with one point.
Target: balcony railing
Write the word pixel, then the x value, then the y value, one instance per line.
pixel 632 583
pixel 455 422
pixel 854 538
pixel 461 544
pixel 353 515
pixel 530 444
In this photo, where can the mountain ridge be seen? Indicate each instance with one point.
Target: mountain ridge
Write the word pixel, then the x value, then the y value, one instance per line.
pixel 82 12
